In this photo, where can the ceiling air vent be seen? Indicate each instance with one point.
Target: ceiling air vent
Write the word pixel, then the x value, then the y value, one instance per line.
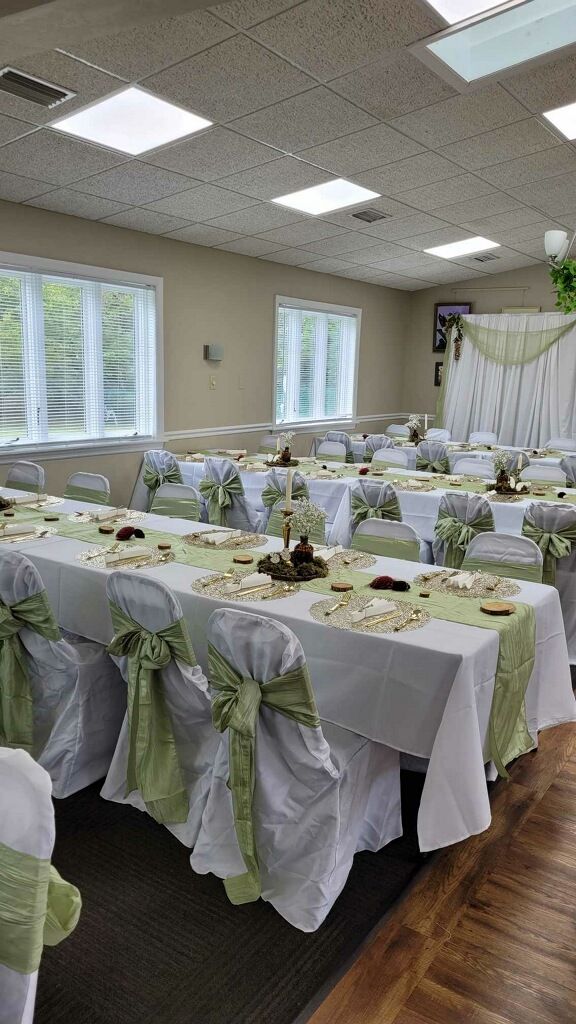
pixel 369 216
pixel 485 257
pixel 32 89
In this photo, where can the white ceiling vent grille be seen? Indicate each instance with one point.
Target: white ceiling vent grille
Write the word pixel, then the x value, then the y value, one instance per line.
pixel 369 216
pixel 33 89
pixel 485 257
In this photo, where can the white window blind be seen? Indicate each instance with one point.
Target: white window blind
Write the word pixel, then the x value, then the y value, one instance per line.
pixel 77 359
pixel 316 355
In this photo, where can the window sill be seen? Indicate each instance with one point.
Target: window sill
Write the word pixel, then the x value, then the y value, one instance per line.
pixel 74 449
pixel 305 426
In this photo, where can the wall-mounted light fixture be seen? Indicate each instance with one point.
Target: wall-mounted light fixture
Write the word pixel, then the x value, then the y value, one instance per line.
pixel 214 353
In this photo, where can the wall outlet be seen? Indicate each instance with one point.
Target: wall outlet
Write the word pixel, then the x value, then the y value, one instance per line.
pixel 211 383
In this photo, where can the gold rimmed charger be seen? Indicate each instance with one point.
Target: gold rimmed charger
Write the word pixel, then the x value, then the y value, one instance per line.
pixel 243 540
pixel 97 557
pixel 404 618
pixel 15 538
pixel 215 586
pixel 485 584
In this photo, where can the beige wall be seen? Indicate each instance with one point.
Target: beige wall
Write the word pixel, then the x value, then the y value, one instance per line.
pixel 528 287
pixel 219 297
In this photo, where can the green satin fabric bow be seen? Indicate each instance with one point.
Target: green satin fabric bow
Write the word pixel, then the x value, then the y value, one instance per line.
pixel 86 494
pixel 361 510
pixel 153 763
pixel 37 908
pixel 154 477
pixel 219 497
pixel 433 466
pixel 271 494
pixel 552 545
pixel 236 707
pixel 457 535
pixel 16 718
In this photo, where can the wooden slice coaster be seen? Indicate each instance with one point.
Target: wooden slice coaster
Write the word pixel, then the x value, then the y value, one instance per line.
pixel 498 607
pixel 105 529
pixel 540 492
pixel 164 546
pixel 9 513
pixel 243 559
pixel 51 519
pixel 341 588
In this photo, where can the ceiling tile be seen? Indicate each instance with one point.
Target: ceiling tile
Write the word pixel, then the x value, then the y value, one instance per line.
pixel 278 178
pixel 528 232
pixel 472 209
pixel 403 227
pixel 348 242
pixel 230 80
pixel 203 203
pixel 202 234
pixel 332 37
pixel 251 246
pixel 327 266
pixel 48 156
pixel 389 207
pixel 371 147
pixel 406 174
pixel 531 247
pixel 393 85
pixel 461 116
pixel 450 272
pixel 147 220
pixel 440 193
pixel 64 200
pixel 377 253
pixel 504 221
pixel 134 183
pixel 513 261
pixel 301 232
pixel 513 140
pixel 367 274
pixel 16 190
pixel 405 284
pixel 245 13
pixel 407 262
pixel 553 196
pixel 310 118
pixel 546 164
pixel 545 86
pixel 153 45
pixel 261 217
pixel 213 154
pixel 293 257
pixel 441 236
pixel 11 128
pixel 58 68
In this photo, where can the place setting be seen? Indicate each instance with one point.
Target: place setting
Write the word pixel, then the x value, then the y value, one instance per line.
pixel 462 583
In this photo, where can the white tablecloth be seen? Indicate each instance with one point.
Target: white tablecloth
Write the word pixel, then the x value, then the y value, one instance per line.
pixel 427 692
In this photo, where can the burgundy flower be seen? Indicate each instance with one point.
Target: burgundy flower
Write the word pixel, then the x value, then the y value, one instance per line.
pixel 363 470
pixel 126 532
pixel 382 583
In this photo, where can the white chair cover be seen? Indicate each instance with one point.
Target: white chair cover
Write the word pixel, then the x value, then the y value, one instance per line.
pixel 393 531
pixel 467 508
pixel 166 498
pixel 267 443
pixel 438 434
pixel 398 430
pixel 535 471
pixel 91 482
pixel 563 444
pixel 27 826
pixel 433 452
pixel 342 438
pixel 483 437
pixel 155 607
pixel 239 515
pixel 550 518
pixel 158 461
pixel 321 794
pixel 26 476
pixel 375 443
pixel 514 458
pixel 475 467
pixel 335 451
pixel 568 466
pixel 395 456
pixel 77 691
pixel 503 547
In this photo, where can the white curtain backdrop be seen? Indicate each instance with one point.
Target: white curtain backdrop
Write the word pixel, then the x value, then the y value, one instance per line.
pixel 524 404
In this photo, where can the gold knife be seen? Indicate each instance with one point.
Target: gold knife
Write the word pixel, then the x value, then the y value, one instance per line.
pixel 373 620
pixel 217 579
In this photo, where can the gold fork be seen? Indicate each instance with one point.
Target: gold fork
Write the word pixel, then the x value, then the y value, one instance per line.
pixel 107 551
pixel 340 604
pixel 218 579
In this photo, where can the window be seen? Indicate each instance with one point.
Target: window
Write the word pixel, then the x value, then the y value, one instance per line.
pixel 77 359
pixel 316 362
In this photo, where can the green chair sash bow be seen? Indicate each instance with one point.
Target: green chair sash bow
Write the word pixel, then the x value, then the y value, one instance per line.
pixel 273 496
pixel 219 498
pixel 433 465
pixel 361 510
pixel 153 478
pixel 153 763
pixel 86 494
pixel 235 707
pixel 37 908
pixel 552 545
pixel 457 535
pixel 387 547
pixel 509 570
pixel 16 717
pixel 179 508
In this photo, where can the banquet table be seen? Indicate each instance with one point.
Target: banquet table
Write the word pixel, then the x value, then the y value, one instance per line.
pixel 425 692
pixel 456 450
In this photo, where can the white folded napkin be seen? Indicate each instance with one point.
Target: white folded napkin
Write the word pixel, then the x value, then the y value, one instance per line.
pixel 461 581
pixel 233 451
pixel 328 553
pixel 253 579
pixel 415 484
pixel 323 474
pixel 256 467
pixel 135 551
pixel 454 478
pixel 15 529
pixel 100 515
pixel 195 457
pixel 25 499
pixel 220 537
pixel 377 606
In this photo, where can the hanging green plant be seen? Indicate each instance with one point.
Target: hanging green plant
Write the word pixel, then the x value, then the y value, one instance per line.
pixel 564 281
pixel 454 322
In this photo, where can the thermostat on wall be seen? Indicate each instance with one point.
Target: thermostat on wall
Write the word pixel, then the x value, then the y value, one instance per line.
pixel 215 353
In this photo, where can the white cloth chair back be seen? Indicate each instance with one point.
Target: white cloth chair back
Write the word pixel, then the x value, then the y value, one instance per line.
pixel 467 508
pixel 550 518
pixel 514 459
pixel 331 783
pixel 438 434
pixel 342 438
pixel 26 476
pixel 503 547
pixel 432 452
pixel 239 515
pixel 152 605
pixel 77 692
pixel 268 443
pixel 393 456
pixel 483 437
pixel 375 443
pixel 387 529
pixel 568 466
pixel 475 467
pixel 160 462
pixel 91 482
pixel 563 444
pixel 398 430
pixel 180 500
pixel 333 451
pixel 538 472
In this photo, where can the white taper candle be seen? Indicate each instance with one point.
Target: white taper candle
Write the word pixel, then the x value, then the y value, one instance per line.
pixel 288 502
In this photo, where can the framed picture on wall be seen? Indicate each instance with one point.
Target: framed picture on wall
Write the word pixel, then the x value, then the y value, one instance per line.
pixel 438 368
pixel 441 311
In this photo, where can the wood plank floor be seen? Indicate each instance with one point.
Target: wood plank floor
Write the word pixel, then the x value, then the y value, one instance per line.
pixel 487 935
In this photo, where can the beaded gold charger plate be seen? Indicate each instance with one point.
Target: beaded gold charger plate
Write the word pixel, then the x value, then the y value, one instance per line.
pixel 506 497
pixel 338 613
pixel 15 538
pixel 44 502
pixel 215 586
pixel 347 559
pixel 484 584
pixel 420 486
pixel 131 515
pixel 97 557
pixel 244 540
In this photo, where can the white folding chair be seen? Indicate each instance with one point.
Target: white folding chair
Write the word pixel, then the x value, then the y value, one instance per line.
pixel 432 456
pixel 180 688
pixel 389 457
pixel 438 434
pixel 475 467
pixel 274 501
pixel 91 487
pixel 563 444
pixel 544 473
pixel 223 492
pixel 78 698
pixel 483 437
pixel 331 451
pixel 27 881
pixel 375 443
pixel 267 444
pixel 181 501
pixel 456 512
pixel 391 540
pixel 541 520
pixel 158 467
pixel 398 430
pixel 342 438
pixel 506 555
pixel 321 793
pixel 26 476
pixel 568 466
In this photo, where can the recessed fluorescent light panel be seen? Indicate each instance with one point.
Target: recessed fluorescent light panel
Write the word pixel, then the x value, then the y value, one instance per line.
pixel 564 118
pixel 504 40
pixel 332 195
pixel 463 248
pixel 454 11
pixel 132 121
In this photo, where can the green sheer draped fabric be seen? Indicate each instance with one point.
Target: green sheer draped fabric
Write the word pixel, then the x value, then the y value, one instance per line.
pixel 361 510
pixel 433 465
pixel 37 908
pixel 153 478
pixel 16 715
pixel 510 570
pixel 512 348
pixel 457 535
pixel 388 547
pixel 86 494
pixel 219 498
pixel 179 508
pixel 235 707
pixel 153 764
pixel 552 545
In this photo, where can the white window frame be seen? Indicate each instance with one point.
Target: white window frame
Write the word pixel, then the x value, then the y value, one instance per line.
pixel 322 307
pixel 99 446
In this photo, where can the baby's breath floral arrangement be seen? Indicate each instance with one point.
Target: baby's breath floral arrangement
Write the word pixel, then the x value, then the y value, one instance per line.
pixel 414 421
pixel 286 438
pixel 501 460
pixel 306 517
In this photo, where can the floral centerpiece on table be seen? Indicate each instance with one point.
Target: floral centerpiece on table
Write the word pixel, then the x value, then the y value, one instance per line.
pixel 505 482
pixel 305 519
pixel 414 423
pixel 284 450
